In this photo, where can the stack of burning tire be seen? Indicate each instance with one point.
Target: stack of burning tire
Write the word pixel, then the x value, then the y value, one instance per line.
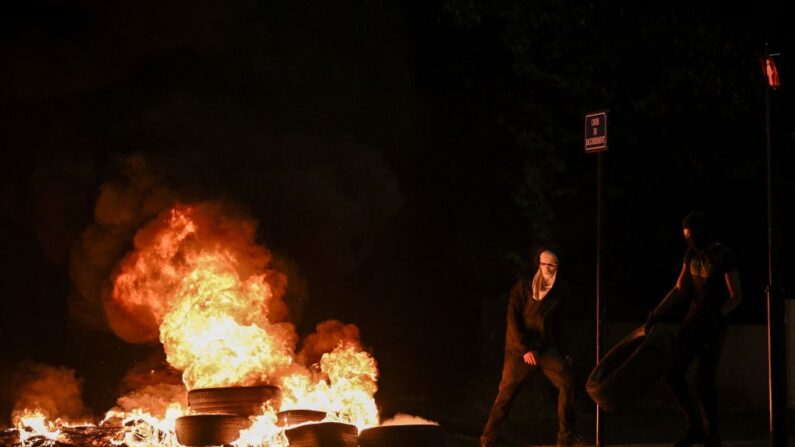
pixel 220 413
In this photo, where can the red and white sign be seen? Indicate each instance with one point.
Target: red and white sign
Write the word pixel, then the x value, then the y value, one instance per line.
pixel 596 132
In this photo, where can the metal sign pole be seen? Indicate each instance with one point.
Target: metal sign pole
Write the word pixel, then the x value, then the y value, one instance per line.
pixel 596 141
pixel 776 365
pixel 599 422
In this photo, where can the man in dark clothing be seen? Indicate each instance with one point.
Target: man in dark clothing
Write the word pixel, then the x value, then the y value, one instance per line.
pixel 531 343
pixel 709 278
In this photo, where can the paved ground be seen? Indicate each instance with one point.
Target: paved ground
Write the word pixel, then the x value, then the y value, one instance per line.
pixel 636 428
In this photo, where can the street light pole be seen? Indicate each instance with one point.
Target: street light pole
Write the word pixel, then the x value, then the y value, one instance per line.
pixel 776 364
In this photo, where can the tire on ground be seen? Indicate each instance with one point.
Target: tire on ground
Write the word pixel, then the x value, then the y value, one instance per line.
pixel 631 368
pixel 323 434
pixel 403 435
pixel 209 429
pixel 240 400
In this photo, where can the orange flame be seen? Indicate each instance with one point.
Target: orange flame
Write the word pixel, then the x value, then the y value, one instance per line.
pixel 197 274
pixel 34 423
pixel 198 283
pixel 210 305
pixel 141 429
pixel 344 387
pixel 218 332
pixel 264 431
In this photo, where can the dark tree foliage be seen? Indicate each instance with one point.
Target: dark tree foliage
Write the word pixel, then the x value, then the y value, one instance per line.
pixel 685 97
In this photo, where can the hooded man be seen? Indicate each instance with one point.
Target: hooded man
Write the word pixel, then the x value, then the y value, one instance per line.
pixel 535 306
pixel 710 280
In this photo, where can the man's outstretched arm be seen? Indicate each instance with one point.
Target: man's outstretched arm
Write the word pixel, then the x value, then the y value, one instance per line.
pixel 675 296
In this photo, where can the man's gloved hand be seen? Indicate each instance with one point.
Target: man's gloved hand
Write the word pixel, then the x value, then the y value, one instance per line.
pixel 651 320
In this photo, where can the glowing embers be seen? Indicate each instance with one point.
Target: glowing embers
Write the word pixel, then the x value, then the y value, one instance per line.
pixel 34 424
pixel 34 429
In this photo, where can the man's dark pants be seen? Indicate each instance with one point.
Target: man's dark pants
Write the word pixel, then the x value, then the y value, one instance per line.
pixel 514 373
pixel 702 339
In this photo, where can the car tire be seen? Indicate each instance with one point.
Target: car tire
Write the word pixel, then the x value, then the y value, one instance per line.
pixel 631 367
pixel 240 400
pixel 209 429
pixel 323 434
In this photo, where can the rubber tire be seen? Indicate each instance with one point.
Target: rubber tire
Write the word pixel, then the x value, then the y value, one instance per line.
pixel 631 368
pixel 403 436
pixel 240 400
pixel 323 434
pixel 295 417
pixel 210 429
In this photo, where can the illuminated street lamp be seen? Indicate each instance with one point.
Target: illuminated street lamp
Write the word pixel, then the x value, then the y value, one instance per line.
pixel 770 71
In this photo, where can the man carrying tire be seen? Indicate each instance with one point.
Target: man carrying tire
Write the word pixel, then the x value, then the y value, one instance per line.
pixel 535 305
pixel 710 280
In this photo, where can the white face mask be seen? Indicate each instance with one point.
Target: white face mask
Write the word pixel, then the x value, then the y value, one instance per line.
pixel 548 264
pixel 545 276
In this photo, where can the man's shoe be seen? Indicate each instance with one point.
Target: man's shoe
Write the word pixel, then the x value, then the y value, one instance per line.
pixel 572 440
pixel 693 435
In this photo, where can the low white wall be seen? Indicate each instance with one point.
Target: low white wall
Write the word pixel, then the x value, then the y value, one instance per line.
pixel 742 375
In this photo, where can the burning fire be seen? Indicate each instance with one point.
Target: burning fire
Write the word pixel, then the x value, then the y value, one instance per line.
pixel 141 429
pixel 197 282
pixel 211 308
pixel 33 423
pixel 344 388
pixel 263 431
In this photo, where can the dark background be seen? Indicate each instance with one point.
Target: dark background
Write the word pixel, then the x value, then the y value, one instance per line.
pixel 405 157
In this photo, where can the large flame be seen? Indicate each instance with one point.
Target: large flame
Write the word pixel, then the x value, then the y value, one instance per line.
pixel 218 332
pixel 198 283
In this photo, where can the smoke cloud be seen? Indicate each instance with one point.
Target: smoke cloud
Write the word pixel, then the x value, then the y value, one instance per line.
pixel 153 387
pixel 55 391
pixel 136 195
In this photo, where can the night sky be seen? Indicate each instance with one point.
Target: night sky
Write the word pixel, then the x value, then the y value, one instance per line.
pixel 402 159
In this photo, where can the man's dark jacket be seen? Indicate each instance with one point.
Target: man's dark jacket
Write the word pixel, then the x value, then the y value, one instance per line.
pixel 534 325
